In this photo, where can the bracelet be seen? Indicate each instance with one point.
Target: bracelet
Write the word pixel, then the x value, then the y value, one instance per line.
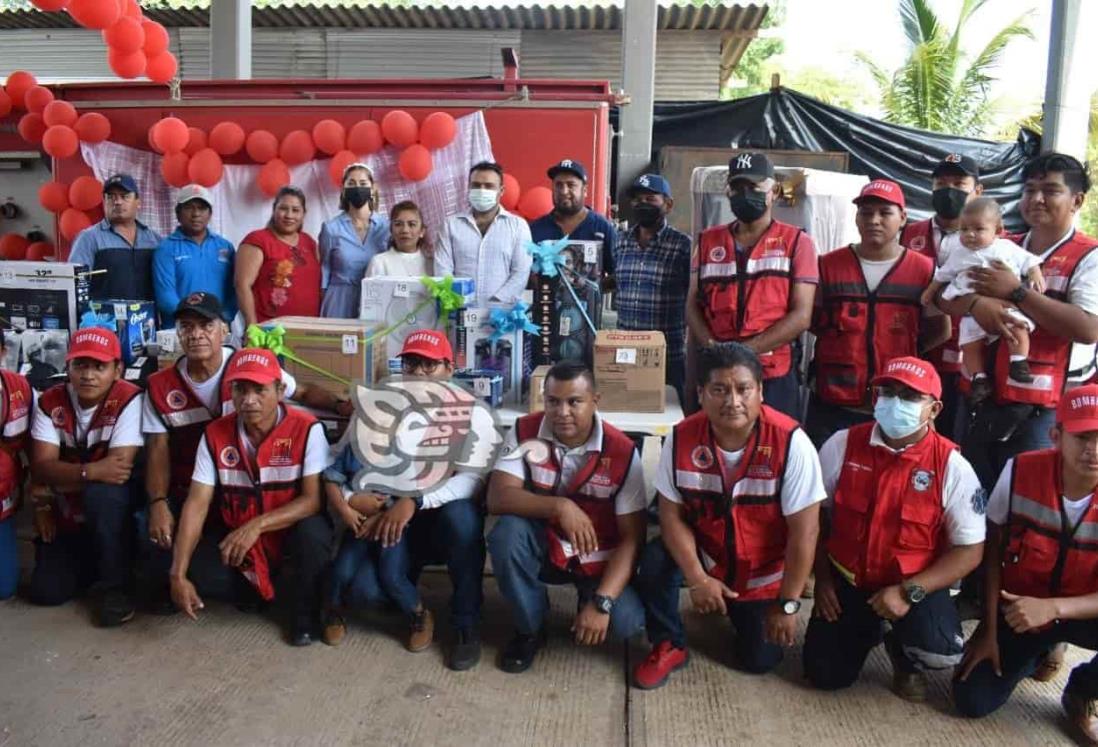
pixel 154 501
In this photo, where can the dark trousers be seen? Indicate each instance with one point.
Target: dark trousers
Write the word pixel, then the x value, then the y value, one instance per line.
pixel 99 554
pixel 927 637
pixel 154 563
pixel 987 450
pixel 984 691
pixel 9 558
pixel 783 393
pixel 952 421
pixel 659 581
pixel 825 420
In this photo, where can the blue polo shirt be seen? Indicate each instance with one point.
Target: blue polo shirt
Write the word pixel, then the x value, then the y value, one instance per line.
pixel 128 266
pixel 594 227
pixel 182 267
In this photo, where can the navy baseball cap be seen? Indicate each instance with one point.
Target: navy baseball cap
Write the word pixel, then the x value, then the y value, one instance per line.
pixel 124 182
pixel 957 163
pixel 569 166
pixel 650 183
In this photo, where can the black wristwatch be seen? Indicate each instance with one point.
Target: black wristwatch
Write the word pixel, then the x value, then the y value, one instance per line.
pixel 913 593
pixel 789 606
pixel 602 603
pixel 418 500
pixel 1018 294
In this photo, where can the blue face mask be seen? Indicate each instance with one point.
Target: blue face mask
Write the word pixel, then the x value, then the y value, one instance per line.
pixel 897 417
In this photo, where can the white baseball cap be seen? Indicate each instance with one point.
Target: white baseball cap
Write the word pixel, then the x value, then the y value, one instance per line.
pixel 194 192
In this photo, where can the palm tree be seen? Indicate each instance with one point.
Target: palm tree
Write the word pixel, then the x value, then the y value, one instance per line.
pixel 941 87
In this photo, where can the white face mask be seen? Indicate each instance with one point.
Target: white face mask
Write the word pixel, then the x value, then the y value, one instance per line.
pixel 483 200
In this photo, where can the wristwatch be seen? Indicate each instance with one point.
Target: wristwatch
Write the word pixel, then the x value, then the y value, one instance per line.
pixel 418 500
pixel 789 606
pixel 913 593
pixel 1018 294
pixel 603 603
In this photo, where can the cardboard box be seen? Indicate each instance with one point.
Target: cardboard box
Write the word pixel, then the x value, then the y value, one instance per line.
pixel 630 368
pixel 537 388
pixel 336 345
pixel 470 337
pixel 42 295
pixel 487 385
pixel 389 301
pixel 135 324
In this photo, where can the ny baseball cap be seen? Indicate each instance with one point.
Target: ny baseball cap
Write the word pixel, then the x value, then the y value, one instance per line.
pixel 205 305
pixel 884 190
pixel 429 343
pixel 753 166
pixel 124 182
pixel 256 365
pixel 955 163
pixel 95 343
pixel 650 183
pixel 194 192
pixel 1078 409
pixel 912 372
pixel 568 165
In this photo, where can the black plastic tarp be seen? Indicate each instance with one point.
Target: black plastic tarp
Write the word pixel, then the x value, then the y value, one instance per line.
pixel 787 120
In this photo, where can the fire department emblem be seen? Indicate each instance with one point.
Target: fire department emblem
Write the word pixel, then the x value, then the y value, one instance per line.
pixel 917 244
pixel 177 400
pixel 702 457
pixel 229 456
pixel 57 416
pixel 920 480
pixel 717 254
pixel 193 299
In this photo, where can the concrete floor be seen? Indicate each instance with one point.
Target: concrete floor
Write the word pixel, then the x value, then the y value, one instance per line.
pixel 229 679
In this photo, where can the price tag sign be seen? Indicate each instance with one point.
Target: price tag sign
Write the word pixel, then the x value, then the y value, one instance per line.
pixel 132 374
pixel 350 344
pixel 401 290
pixel 472 318
pixel 627 356
pixel 590 253
pixel 565 326
pixel 482 387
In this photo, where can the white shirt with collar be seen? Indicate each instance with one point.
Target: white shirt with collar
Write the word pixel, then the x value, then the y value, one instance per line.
pixel 633 495
pixel 496 260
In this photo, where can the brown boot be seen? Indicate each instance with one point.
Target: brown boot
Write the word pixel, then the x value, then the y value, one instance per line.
pixel 910 686
pixel 422 632
pixel 1083 715
pixel 334 629
pixel 1050 664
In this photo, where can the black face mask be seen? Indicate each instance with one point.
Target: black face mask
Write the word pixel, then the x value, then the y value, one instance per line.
pixel 748 207
pixel 948 201
pixel 357 196
pixel 647 214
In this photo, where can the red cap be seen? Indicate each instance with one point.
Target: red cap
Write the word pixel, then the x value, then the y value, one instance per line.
pixel 429 343
pixel 96 343
pixel 1078 409
pixel 256 365
pixel 913 372
pixel 882 189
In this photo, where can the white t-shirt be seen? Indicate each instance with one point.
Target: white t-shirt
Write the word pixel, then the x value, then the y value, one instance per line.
pixel 964 500
pixel 316 454
pixel 399 264
pixel 802 485
pixel 1082 292
pixel 206 391
pixel 126 432
pixel 998 505
pixel 633 495
pixel 874 271
pixel 957 260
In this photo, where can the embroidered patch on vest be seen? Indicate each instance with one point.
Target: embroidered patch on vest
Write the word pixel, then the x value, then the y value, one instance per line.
pixel 702 457
pixel 918 243
pixel 717 254
pixel 920 480
pixel 229 456
pixel 282 452
pixel 57 416
pixel 177 400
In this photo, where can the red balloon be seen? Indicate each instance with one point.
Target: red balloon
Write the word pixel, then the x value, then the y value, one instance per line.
pixel 93 127
pixel 95 14
pixel 161 68
pixel 399 128
pixel 127 35
pixel 50 6
pixel 41 251
pixel 86 193
pixel 127 65
pixel 13 246
pixel 365 138
pixel 36 99
pixel 171 134
pixel 198 141
pixel 173 167
pixel 72 222
pixel 511 192
pixel 535 202
pixel 227 138
pixel 261 146
pixel 32 128
pixel 54 196
pixel 339 162
pixel 415 163
pixel 131 9
pixel 156 39
pixel 205 167
pixel 59 113
pixel 6 104
pixel 329 136
pixel 438 130
pixel 297 148
pixel 17 86
pixel 153 145
pixel 273 176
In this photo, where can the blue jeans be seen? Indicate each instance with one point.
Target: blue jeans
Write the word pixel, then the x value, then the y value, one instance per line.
pixel 825 420
pixel 659 581
pixel 783 393
pixel 519 549
pixel 9 558
pixel 988 454
pixel 354 581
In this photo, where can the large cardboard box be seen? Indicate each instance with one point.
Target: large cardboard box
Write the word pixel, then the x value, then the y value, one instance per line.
pixel 42 295
pixel 337 345
pixel 134 323
pixel 537 388
pixel 565 334
pixel 470 337
pixel 630 368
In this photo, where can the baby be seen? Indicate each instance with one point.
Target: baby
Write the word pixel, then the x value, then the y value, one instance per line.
pixel 977 244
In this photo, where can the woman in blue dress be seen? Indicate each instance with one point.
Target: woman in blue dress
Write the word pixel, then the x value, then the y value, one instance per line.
pixel 349 241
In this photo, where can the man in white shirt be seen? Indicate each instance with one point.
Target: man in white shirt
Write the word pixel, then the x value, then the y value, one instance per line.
pixel 569 491
pixel 487 244
pixel 739 491
pixel 86 434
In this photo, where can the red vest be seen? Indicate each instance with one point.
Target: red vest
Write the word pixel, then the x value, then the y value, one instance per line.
pixel 887 518
pixel 246 490
pixel 858 331
pixel 739 528
pixel 594 488
pixel 919 237
pixel 185 417
pixel 15 404
pixel 1049 354
pixel 1042 558
pixel 742 296
pixel 56 404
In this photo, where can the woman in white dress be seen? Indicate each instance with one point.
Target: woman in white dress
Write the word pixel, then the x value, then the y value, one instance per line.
pixel 409 254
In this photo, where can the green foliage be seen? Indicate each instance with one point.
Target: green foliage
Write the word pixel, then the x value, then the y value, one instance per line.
pixel 752 73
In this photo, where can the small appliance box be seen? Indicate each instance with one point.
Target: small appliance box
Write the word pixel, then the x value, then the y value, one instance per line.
pixel 470 337
pixel 336 345
pixel 42 295
pixel 630 369
pixel 167 348
pixel 537 388
pixel 565 334
pixel 388 301
pixel 135 324
pixel 487 385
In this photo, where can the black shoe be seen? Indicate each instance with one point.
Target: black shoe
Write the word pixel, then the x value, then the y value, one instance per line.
pixel 301 634
pixel 520 652
pixel 1019 371
pixel 466 652
pixel 112 608
pixel 979 391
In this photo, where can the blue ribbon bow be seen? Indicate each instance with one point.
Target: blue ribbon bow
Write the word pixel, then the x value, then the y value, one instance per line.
pixel 546 256
pixel 505 322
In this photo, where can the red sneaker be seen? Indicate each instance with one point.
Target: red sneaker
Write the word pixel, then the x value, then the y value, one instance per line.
pixel 661 662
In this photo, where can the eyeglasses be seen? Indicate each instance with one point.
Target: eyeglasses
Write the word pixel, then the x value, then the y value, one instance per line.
pixel 414 364
pixel 905 393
